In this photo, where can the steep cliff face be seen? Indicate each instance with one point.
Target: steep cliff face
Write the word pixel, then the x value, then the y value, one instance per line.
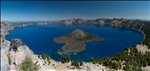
pixel 18 51
pixel 5 28
pixel 4 59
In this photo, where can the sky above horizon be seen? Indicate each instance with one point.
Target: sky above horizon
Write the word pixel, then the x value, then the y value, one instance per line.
pixel 50 10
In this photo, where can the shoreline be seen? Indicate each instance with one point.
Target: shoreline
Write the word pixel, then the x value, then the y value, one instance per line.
pixel 139 32
pixel 144 36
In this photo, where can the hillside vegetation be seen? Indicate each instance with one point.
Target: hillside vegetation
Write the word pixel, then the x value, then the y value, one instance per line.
pixel 129 60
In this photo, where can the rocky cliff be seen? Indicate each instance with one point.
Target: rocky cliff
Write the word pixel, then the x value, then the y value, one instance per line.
pixel 5 28
pixel 13 53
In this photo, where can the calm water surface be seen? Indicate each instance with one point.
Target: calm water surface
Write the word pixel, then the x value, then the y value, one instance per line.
pixel 40 40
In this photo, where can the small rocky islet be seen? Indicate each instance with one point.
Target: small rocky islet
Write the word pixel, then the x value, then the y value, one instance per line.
pixel 75 41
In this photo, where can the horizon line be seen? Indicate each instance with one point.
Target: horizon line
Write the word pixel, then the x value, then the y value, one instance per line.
pixel 74 18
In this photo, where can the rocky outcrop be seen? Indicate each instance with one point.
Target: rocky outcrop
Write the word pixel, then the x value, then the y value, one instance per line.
pixel 14 52
pixel 4 59
pixel 5 28
pixel 15 43
pixel 142 48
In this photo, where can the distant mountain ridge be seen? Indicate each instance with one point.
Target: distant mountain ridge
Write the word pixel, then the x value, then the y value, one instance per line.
pixel 99 21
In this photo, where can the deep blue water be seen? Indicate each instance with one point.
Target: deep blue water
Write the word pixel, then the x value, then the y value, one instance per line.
pixel 40 40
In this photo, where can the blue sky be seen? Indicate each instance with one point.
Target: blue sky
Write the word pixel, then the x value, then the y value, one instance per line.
pixel 49 10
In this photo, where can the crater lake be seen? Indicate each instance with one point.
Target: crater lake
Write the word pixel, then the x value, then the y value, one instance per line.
pixel 40 39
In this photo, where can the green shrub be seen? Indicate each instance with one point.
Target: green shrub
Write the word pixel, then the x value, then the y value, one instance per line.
pixel 45 56
pixel 81 63
pixel 91 59
pixel 28 65
pixel 39 56
pixel 3 41
pixel 65 59
pixel 76 64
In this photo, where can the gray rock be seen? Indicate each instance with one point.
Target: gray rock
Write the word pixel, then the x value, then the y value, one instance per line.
pixel 4 65
pixel 5 28
pixel 15 43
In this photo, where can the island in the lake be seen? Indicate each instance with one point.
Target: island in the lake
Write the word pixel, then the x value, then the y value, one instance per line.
pixel 75 41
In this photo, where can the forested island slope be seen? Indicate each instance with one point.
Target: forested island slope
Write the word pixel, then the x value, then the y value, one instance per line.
pixel 75 41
